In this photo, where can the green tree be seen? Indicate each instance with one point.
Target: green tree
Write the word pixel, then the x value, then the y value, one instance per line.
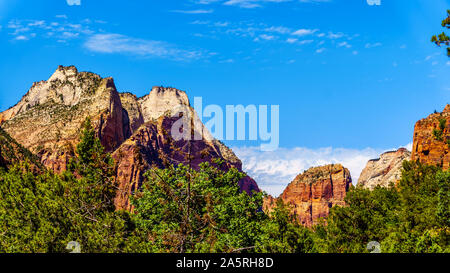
pixel 422 213
pixel 367 217
pixel 282 233
pixel 443 39
pixel 42 213
pixel 180 210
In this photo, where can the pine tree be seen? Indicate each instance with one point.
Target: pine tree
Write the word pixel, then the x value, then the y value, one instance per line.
pixel 443 39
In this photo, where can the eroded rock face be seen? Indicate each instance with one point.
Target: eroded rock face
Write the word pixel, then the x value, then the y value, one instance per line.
pixel 432 140
pixel 385 170
pixel 152 145
pixel 132 112
pixel 314 192
pixel 162 101
pixel 47 120
pixel 138 131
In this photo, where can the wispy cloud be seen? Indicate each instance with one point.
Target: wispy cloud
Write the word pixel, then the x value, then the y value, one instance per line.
pixel 373 45
pixel 304 32
pixel 251 4
pixel 197 11
pixel 73 2
pixel 121 44
pixel 24 30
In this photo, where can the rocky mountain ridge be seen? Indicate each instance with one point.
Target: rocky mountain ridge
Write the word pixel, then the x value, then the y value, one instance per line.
pixel 47 121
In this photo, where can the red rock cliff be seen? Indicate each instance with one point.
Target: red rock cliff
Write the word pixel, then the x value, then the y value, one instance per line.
pixel 153 146
pixel 314 192
pixel 432 140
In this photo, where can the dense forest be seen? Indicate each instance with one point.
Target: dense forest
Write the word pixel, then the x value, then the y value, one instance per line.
pixel 183 210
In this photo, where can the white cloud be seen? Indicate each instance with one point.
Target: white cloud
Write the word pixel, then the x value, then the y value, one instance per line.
pixel 265 37
pixel 369 45
pixel 344 44
pixel 273 171
pixel 320 50
pixel 61 30
pixel 304 32
pixel 121 44
pixel 291 40
pixel 197 11
pixel 251 4
pixel 279 29
pixel 73 2
pixel 333 36
pixel 21 38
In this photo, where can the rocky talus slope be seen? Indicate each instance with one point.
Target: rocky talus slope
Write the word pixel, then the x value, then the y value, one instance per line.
pixel 314 192
pixel 432 140
pixel 385 170
pixel 47 121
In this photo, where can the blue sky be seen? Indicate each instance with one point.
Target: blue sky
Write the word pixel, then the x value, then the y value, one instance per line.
pixel 347 76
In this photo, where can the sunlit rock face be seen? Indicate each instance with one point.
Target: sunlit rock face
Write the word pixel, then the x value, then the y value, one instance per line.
pixel 432 140
pixel 384 171
pixel 314 192
pixel 137 131
pixel 48 118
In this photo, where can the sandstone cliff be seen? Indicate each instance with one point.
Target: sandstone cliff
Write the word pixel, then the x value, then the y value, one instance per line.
pixel 137 131
pixel 385 170
pixel 314 192
pixel 48 118
pixel 154 145
pixel 432 140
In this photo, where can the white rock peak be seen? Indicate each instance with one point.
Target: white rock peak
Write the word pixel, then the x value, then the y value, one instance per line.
pixel 162 101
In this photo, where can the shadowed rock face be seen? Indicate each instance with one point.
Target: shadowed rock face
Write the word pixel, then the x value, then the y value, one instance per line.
pixel 12 153
pixel 431 142
pixel 137 131
pixel 132 112
pixel 385 170
pixel 314 192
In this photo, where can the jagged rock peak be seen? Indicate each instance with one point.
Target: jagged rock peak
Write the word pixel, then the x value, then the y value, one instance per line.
pixel 48 118
pixel 162 101
pixel 66 86
pixel 64 72
pixel 384 170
